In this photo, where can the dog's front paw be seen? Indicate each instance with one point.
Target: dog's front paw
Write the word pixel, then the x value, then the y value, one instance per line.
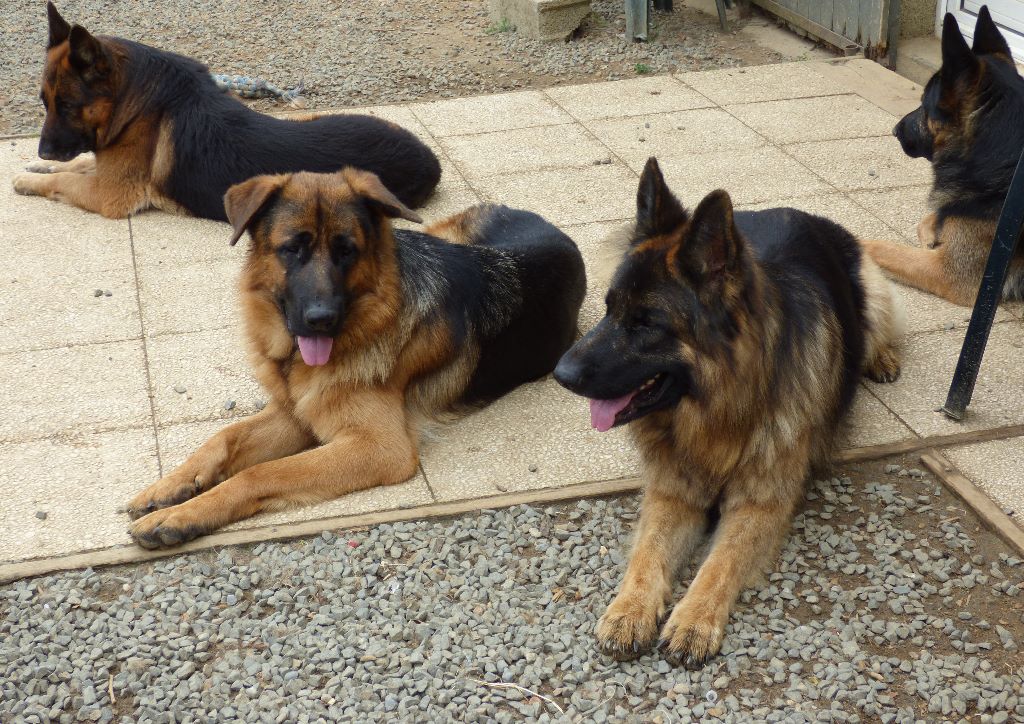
pixel 689 638
pixel 170 490
pixel 41 167
pixel 27 184
pixel 628 628
pixel 885 367
pixel 169 527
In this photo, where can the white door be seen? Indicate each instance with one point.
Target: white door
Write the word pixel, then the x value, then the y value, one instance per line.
pixel 1007 14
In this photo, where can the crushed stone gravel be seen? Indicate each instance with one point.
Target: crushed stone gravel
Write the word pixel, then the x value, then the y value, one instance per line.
pixel 490 617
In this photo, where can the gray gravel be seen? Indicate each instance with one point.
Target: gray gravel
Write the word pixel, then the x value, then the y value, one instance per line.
pixel 358 53
pixel 888 604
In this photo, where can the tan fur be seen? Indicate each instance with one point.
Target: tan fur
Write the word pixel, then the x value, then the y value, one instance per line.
pixel 348 425
pixel 749 457
pixel 953 263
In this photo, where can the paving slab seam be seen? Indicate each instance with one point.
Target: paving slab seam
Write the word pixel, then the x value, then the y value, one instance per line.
pixel 72 436
pixel 439 148
pixel 865 388
pixel 150 392
pixel 73 345
pixel 601 143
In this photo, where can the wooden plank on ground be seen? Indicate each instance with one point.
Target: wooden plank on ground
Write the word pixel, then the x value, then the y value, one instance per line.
pixel 991 515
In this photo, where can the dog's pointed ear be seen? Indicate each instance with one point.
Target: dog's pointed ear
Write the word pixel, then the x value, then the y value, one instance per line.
pixel 244 202
pixel 958 62
pixel 370 188
pixel 87 54
pixel 712 243
pixel 658 211
pixel 987 38
pixel 60 29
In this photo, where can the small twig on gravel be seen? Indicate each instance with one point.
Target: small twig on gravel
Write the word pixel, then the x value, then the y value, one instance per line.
pixel 520 688
pixel 110 689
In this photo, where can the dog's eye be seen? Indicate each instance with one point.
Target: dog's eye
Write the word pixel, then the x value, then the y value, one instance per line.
pixel 295 245
pixel 641 318
pixel 342 246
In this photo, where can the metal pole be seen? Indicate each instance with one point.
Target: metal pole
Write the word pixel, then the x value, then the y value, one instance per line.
pixel 663 5
pixel 1008 233
pixel 636 20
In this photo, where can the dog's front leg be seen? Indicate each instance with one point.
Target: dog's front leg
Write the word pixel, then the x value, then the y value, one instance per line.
pixel 748 537
pixel 355 459
pixel 668 530
pixel 930 270
pixel 86 163
pixel 96 192
pixel 269 434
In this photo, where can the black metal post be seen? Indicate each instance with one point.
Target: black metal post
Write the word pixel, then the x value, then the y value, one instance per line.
pixel 663 5
pixel 1008 233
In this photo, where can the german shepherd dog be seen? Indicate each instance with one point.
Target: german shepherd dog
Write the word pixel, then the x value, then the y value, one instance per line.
pixel 732 346
pixel 165 136
pixel 360 334
pixel 969 126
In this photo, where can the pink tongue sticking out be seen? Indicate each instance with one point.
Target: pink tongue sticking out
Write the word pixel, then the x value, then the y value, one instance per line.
pixel 315 351
pixel 603 412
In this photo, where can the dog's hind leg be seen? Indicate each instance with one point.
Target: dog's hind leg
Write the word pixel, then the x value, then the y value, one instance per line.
pixel 930 270
pixel 885 323
pixel 269 434
pixel 668 530
pixel 378 451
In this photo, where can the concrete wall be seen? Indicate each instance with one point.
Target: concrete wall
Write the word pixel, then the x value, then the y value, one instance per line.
pixel 917 17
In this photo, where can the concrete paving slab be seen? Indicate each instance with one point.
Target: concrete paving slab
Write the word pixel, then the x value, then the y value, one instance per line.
pixel 190 297
pixel 538 436
pixel 755 84
pixel 867 164
pixel 750 177
pixel 815 119
pixel 679 135
pixel 901 208
pixel 72 390
pixel 211 366
pixel 634 97
pixel 872 423
pixel 523 150
pixel 928 363
pixel 566 196
pixel 997 468
pixel 78 483
pixel 602 246
pixel 160 239
pixel 484 114
pixel 38 311
pixel 874 83
pixel 179 441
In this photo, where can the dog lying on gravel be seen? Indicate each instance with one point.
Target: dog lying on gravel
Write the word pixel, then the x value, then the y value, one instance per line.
pixel 360 334
pixel 164 135
pixel 733 345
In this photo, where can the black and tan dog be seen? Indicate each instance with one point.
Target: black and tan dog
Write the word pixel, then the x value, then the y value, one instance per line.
pixel 360 334
pixel 970 127
pixel 732 345
pixel 165 136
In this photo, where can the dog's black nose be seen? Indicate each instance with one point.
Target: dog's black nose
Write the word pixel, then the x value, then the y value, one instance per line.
pixel 570 373
pixel 320 317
